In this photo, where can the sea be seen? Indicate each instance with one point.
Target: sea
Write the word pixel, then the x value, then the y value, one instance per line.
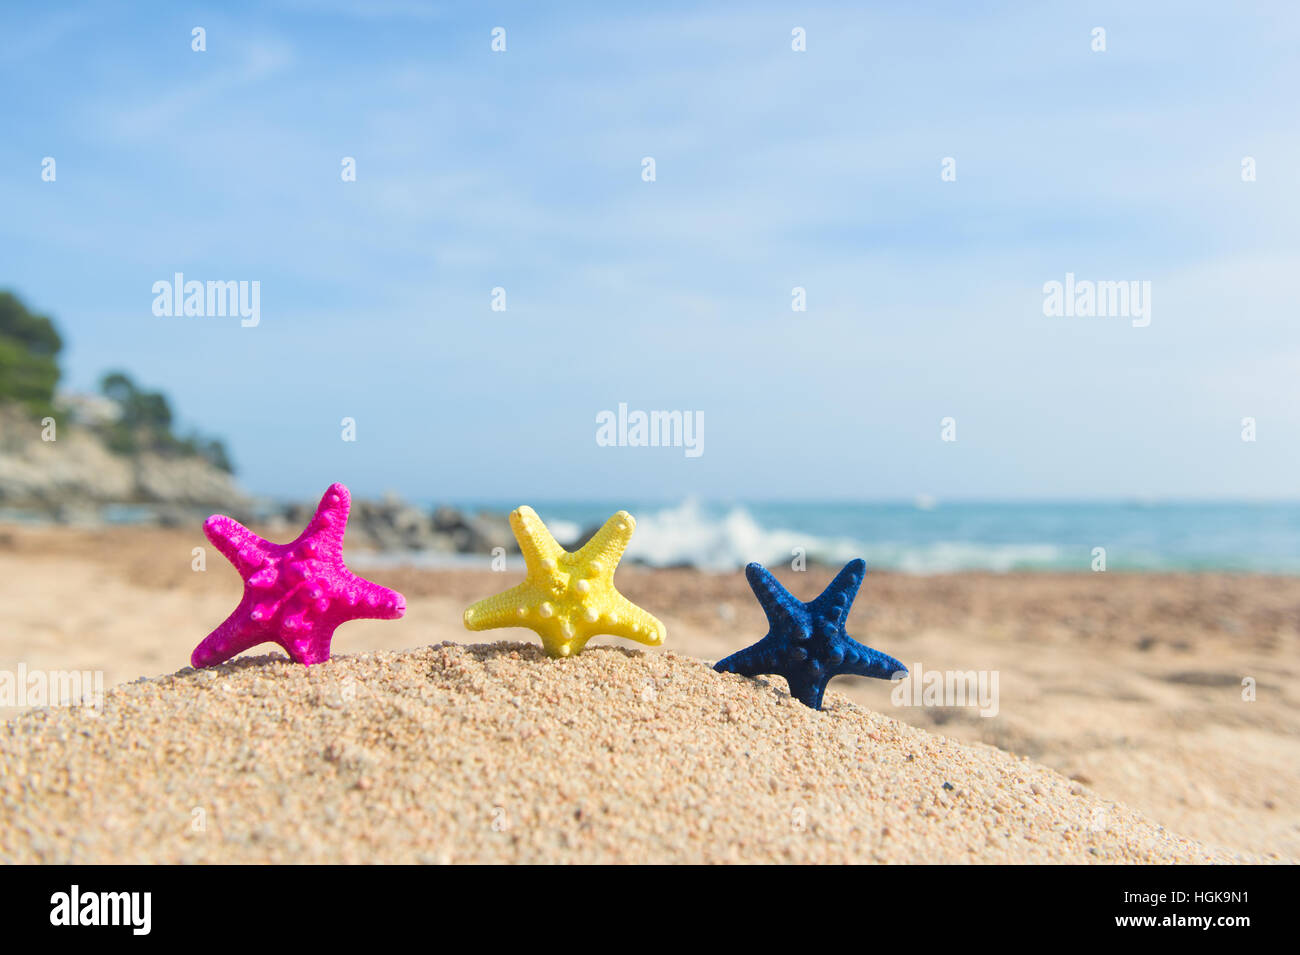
pixel 927 536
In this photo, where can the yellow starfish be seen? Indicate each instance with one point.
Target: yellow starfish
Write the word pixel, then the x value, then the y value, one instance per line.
pixel 568 598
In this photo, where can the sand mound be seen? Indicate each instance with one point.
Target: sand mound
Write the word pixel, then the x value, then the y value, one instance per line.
pixel 495 753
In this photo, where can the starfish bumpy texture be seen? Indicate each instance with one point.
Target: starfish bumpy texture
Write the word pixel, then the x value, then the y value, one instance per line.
pixel 294 594
pixel 806 642
pixel 568 598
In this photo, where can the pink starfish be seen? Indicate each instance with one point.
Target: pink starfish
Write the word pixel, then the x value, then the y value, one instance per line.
pixel 294 594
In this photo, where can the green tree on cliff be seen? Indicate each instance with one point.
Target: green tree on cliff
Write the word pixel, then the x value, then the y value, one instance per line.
pixel 146 424
pixel 29 353
pixel 29 373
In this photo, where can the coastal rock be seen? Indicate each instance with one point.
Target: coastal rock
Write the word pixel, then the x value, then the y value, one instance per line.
pixel 76 479
pixel 585 535
pixel 185 481
pixel 386 524
pixel 73 477
pixel 393 525
pixel 483 532
pixel 74 469
pixel 446 519
pixel 474 533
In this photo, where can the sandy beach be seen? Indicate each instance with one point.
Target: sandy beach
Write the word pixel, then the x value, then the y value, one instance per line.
pixel 1121 732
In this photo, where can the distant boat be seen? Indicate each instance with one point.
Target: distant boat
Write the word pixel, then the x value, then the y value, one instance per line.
pixel 925 502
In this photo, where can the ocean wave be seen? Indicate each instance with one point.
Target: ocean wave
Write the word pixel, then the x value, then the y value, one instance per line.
pixel 566 533
pixel 690 535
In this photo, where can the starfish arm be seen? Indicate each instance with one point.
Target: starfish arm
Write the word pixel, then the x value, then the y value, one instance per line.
pixel 500 610
pixel 625 619
pixel 808 690
pixel 236 542
pixel 330 520
pixel 235 635
pixel 375 602
pixel 861 660
pixel 838 596
pixel 756 659
pixel 310 647
pixel 535 541
pixel 781 607
pixel 606 546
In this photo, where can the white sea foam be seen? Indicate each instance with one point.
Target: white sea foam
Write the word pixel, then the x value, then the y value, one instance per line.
pixel 687 534
pixel 564 532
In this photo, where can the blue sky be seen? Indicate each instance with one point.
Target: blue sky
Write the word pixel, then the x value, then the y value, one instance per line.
pixel 774 169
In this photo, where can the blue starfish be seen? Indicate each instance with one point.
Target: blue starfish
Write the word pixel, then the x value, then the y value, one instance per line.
pixel 806 642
